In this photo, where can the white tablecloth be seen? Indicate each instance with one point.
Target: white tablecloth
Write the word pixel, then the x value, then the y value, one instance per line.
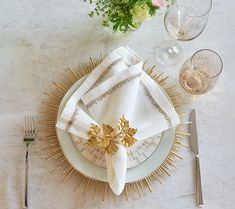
pixel 38 39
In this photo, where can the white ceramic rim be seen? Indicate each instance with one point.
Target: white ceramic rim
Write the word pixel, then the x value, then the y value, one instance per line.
pixel 90 170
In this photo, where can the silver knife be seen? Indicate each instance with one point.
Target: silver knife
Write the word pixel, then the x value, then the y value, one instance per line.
pixel 195 150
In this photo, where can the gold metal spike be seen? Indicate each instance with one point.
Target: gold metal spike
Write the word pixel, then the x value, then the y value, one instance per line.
pixel 52 144
pixel 182 144
pixel 159 76
pixel 68 174
pixel 155 175
pixel 163 84
pixel 56 169
pixel 93 63
pixel 50 104
pixel 86 182
pixel 150 70
pixel 182 113
pixel 55 155
pixel 46 121
pixel 126 190
pixel 175 96
pixel 54 149
pixel 165 165
pixel 139 189
pixel 162 81
pixel 80 178
pixel 105 187
pixel 176 155
pixel 185 123
pixel 148 184
pixel 72 74
pixel 61 161
pixel 60 86
pixel 51 96
pixel 144 65
pixel 95 189
pixel 183 133
pixel 165 170
pixel 67 80
pixel 170 89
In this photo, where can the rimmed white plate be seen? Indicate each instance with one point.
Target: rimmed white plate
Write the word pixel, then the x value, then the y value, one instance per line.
pixel 89 169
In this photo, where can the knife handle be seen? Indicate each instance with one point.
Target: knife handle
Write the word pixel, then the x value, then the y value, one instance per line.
pixel 198 182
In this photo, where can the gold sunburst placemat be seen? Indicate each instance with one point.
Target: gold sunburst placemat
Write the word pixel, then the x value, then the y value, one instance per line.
pixel 47 122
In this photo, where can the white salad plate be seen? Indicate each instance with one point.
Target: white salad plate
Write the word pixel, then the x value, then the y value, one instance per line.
pixel 93 171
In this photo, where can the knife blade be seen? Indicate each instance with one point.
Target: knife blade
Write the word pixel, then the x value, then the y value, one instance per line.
pixel 195 150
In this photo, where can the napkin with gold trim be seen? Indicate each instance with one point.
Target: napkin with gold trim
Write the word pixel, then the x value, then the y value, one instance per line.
pixel 116 105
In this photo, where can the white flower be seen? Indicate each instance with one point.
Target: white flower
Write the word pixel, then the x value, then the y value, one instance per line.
pixel 140 13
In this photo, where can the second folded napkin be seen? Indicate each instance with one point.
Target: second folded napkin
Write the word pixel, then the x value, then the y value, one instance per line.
pixel 118 88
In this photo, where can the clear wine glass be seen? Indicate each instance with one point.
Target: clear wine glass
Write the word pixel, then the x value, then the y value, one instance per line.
pixel 185 20
pixel 200 72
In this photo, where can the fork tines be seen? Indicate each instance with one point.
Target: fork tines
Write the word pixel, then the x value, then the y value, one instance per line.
pixel 29 128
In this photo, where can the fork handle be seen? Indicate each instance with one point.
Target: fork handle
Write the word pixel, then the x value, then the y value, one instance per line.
pixel 25 206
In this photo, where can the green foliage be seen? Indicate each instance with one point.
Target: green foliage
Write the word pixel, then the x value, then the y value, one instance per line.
pixel 123 15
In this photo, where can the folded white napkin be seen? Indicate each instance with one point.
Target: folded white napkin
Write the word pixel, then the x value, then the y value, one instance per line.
pixel 118 87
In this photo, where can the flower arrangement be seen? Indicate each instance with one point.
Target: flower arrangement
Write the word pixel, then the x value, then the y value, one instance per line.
pixel 123 15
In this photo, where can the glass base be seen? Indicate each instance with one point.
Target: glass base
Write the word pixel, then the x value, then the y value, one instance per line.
pixel 169 53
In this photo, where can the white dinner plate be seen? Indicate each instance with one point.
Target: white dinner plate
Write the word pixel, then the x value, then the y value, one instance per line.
pixel 91 170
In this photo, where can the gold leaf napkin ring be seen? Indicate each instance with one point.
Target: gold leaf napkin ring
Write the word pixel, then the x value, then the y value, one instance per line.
pixel 109 138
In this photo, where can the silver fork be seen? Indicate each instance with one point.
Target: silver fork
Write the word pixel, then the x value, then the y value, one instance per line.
pixel 29 137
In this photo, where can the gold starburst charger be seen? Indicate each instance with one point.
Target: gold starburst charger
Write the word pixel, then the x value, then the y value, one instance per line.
pixel 105 138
